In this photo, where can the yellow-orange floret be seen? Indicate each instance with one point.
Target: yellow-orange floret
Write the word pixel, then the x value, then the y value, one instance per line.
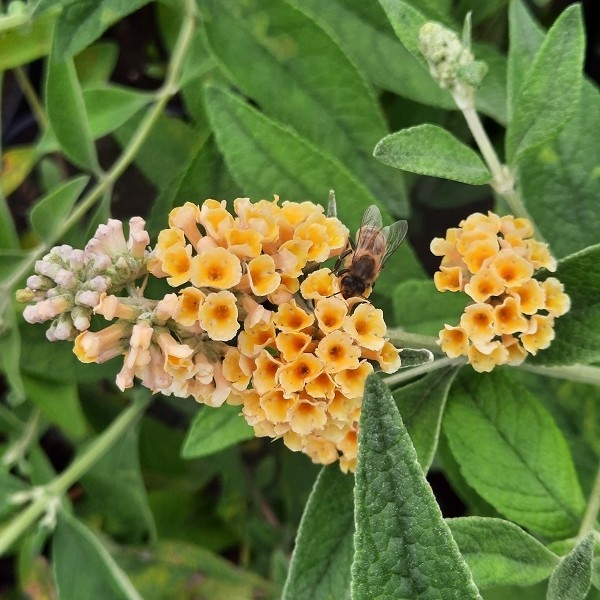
pixel 176 261
pixel 539 255
pixel 294 376
pixel 216 268
pixel 484 284
pixel 331 313
pixel 307 416
pixel 252 340
pixel 262 275
pixel 319 284
pixel 557 302
pixel 186 218
pixel 290 317
pixel 276 405
pixel 513 270
pixel 319 450
pixel 454 341
pixel 449 279
pixel 479 251
pixel 264 377
pixel 244 243
pixel 237 369
pixel 366 326
pixel 215 219
pixel 190 300
pixel 540 333
pixel 218 316
pixel 337 352
pixel 509 318
pixel 478 321
pixel 100 346
pixel 483 362
pixel 352 381
pixel 493 259
pixel 531 295
pixel 291 344
pixel 322 386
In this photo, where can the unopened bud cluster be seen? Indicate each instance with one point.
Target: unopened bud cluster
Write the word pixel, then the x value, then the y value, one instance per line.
pixel 69 282
pixel 252 319
pixel 493 260
pixel 450 62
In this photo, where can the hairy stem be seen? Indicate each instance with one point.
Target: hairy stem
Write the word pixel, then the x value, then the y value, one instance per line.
pixel 503 181
pixel 409 374
pixel 57 487
pixel 32 98
pixel 593 506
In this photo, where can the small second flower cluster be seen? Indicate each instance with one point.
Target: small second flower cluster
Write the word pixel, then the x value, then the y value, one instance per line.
pixel 493 260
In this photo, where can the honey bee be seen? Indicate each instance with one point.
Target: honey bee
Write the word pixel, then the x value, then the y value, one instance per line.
pixel 366 258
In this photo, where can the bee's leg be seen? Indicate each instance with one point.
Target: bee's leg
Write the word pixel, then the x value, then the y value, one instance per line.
pixel 341 257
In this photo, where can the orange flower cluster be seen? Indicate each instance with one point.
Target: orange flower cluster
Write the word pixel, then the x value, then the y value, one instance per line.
pixel 255 321
pixel 310 362
pixel 493 259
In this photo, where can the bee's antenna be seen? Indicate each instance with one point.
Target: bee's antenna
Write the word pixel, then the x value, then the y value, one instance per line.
pixel 331 205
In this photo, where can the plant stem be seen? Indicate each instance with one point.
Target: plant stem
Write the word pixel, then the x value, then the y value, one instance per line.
pixel 593 506
pixel 503 181
pixel 32 97
pixel 409 374
pixel 169 88
pixel 19 449
pixel 57 487
pixel 404 339
pixel 578 373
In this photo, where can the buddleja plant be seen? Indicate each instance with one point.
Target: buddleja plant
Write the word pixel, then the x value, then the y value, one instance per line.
pixel 213 316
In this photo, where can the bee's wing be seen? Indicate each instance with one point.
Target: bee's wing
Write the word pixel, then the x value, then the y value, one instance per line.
pixel 394 235
pixel 370 228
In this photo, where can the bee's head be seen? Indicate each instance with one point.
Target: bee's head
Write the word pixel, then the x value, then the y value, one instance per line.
pixel 351 286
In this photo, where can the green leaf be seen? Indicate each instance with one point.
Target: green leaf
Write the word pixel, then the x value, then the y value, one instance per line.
pixel 421 406
pixel 95 64
pixel 82 566
pixel 364 33
pixel 414 357
pixel 109 106
pixel 320 566
pixel 168 146
pixel 50 213
pixel 215 429
pixel 512 453
pixel 17 163
pixel 577 332
pixel 203 176
pixel 177 569
pixel 67 114
pixel 116 492
pixel 266 158
pixel 549 93
pixel 295 55
pixel 435 308
pixel 404 549
pixel 526 36
pixel 560 182
pixel 499 552
pixel 27 43
pixel 572 578
pixel 407 22
pixel 430 150
pixel 83 22
pixel 59 402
